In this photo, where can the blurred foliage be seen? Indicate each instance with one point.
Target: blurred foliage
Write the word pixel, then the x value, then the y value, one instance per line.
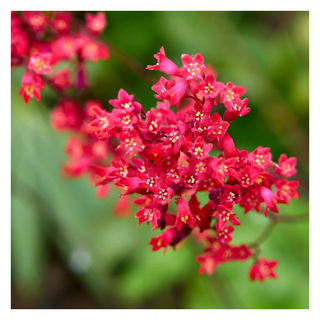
pixel 64 240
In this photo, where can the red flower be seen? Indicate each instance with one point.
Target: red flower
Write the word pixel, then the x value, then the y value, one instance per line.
pixel 231 194
pixel 251 200
pixel 163 240
pixel 199 149
pixel 131 142
pixel 222 168
pixel 64 48
pixel 230 95
pixel 260 158
pixel 263 269
pixel 184 215
pixel 208 264
pixel 162 193
pixel 209 87
pixel 93 50
pixel 239 108
pixel 162 88
pixel 286 190
pixel 247 177
pixel 61 22
pixel 192 67
pixel 165 65
pixel 177 92
pixel 61 79
pixel 125 102
pixel 149 213
pixel 270 199
pixel 286 166
pixel 224 214
pixel 31 86
pixel 36 20
pixel 67 116
pixel 241 252
pixel 96 23
pixel 224 234
pixel 218 127
pixel 40 63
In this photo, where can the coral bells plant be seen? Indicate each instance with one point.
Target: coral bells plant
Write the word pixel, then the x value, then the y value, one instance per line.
pixel 168 158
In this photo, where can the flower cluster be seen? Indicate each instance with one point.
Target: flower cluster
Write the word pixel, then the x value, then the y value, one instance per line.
pixel 83 147
pixel 41 40
pixel 168 158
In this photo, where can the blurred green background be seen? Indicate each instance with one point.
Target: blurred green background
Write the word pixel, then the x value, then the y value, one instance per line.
pixel 69 251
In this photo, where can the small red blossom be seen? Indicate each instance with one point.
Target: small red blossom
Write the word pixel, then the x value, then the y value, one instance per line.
pixel 193 67
pixel 31 86
pixel 270 199
pixel 162 193
pixel 184 215
pixel 286 166
pixel 177 92
pixel 61 22
pixel 224 234
pixel 263 269
pixel 224 214
pixel 222 168
pixel 207 264
pixel 162 88
pixel 239 108
pixel 36 20
pixel 199 150
pixel 247 177
pixel 67 115
pixel 64 48
pixel 40 63
pixel 286 190
pixel 210 88
pixel 149 213
pixel 93 50
pixel 61 79
pixel 251 200
pixel 125 102
pixel 241 253
pixel 218 127
pixel 260 158
pixel 230 194
pixel 230 95
pixel 163 240
pixel 96 23
pixel 165 65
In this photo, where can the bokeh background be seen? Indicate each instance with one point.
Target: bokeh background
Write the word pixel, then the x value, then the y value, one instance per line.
pixel 68 248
